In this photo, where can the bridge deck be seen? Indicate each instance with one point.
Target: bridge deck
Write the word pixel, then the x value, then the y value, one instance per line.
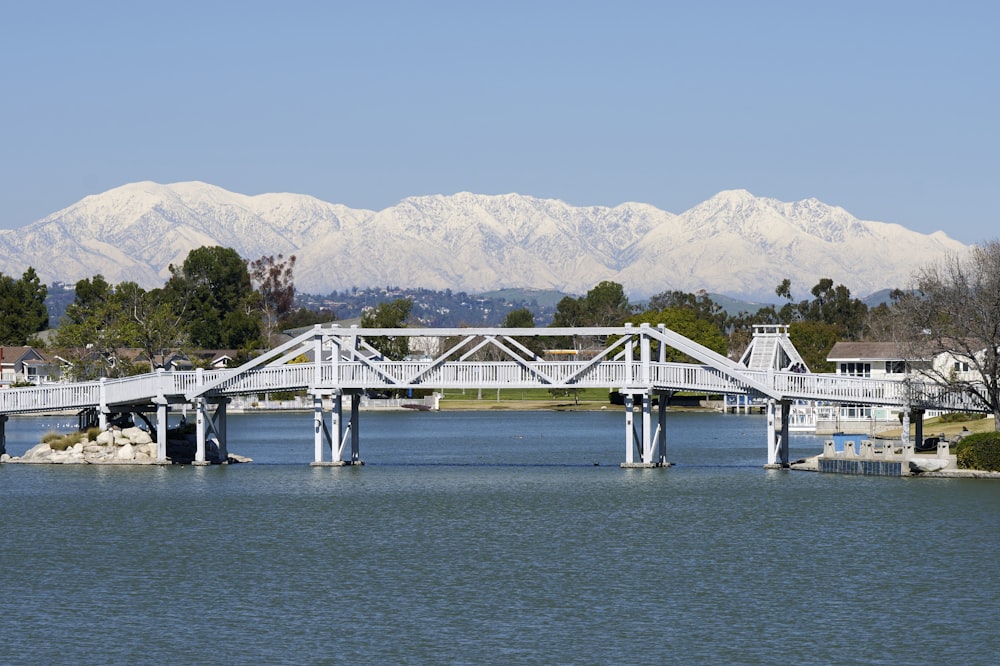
pixel 347 360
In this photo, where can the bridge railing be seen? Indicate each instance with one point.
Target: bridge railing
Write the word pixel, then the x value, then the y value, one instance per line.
pixel 685 376
pixel 465 374
pixel 50 397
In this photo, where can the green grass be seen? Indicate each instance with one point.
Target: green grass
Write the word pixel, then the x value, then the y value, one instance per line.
pixel 530 395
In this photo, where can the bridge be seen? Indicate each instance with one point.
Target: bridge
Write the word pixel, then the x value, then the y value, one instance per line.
pixel 330 363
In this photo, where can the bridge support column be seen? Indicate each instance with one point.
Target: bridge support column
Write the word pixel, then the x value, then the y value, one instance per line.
pixel 3 434
pixel 338 436
pixel 161 433
pixel 652 445
pixel 629 431
pixel 199 422
pixel 904 437
pixel 777 441
pixel 918 421
pixel 210 427
pixel 321 434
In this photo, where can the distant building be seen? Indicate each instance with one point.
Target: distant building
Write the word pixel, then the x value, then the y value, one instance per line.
pixel 26 365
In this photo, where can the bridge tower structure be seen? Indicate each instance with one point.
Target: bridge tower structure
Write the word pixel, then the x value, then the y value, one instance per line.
pixel 771 351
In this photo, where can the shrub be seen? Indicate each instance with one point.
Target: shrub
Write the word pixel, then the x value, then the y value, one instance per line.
pixel 50 437
pixel 62 443
pixel 954 417
pixel 92 434
pixel 979 451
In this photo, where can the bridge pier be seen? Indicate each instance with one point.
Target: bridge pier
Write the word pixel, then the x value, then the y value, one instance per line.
pixel 652 445
pixel 3 434
pixel 161 432
pixel 777 441
pixel 917 417
pixel 343 440
pixel 210 427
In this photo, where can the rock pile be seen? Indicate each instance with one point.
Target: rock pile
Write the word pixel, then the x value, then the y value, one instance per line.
pixel 118 446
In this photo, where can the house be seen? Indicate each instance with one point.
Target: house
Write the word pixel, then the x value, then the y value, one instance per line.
pixel 882 360
pixel 26 365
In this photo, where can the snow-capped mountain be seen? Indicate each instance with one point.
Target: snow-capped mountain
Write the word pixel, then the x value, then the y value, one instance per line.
pixel 734 243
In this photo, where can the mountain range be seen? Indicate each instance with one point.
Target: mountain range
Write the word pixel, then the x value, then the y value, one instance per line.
pixel 734 243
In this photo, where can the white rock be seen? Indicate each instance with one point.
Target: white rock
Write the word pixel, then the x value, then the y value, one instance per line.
pixel 126 452
pixel 927 464
pixel 106 437
pixel 38 451
pixel 140 437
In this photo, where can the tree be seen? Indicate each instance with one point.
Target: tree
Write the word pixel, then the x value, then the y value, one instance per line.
pixel 156 327
pixel 955 309
pixel 22 306
pixel 814 340
pixel 523 318
pixel 97 328
pixel 213 287
pixel 686 322
pixel 301 317
pixel 275 289
pixel 607 305
pixel 519 318
pixel 392 314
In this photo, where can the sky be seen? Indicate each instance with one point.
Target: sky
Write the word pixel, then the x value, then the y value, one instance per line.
pixel 888 109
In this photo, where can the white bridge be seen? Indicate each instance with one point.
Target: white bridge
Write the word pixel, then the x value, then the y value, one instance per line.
pixel 331 362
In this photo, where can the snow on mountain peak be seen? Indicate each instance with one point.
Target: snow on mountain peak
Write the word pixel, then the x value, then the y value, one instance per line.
pixel 733 243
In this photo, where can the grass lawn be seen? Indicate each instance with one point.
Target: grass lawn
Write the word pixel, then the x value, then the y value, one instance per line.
pixel 934 427
pixel 522 399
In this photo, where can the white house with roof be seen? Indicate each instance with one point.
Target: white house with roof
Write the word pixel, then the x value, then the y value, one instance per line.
pixel 26 365
pixel 882 360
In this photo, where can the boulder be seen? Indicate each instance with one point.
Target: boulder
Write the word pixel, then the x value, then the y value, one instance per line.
pixel 137 435
pixel 125 452
pixel 918 465
pixel 37 453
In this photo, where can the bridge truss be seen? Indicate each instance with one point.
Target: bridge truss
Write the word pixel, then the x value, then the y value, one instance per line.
pixel 331 362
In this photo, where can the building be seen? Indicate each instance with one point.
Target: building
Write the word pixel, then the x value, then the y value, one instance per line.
pixel 26 365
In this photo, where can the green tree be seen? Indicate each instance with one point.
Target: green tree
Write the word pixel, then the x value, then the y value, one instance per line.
pixel 22 306
pixel 607 305
pixel 519 318
pixel 685 321
pixel 392 314
pixel 97 328
pixel 700 303
pixel 814 340
pixel 570 312
pixel 214 289
pixel 156 326
pixel 523 318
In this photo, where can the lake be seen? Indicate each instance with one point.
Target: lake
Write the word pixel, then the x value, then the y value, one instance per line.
pixel 494 537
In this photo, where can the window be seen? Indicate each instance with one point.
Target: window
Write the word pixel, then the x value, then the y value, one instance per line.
pixel 856 369
pixel 962 366
pixel 855 412
pixel 895 367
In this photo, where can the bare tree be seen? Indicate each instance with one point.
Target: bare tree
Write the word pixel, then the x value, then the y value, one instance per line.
pixel 954 309
pixel 275 288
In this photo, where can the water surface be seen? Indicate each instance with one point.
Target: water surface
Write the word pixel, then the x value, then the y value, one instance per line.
pixel 485 537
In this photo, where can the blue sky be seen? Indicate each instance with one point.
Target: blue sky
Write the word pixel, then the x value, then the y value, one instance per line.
pixel 888 109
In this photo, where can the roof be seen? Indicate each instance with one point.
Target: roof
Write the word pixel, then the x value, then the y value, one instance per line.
pixel 866 351
pixel 12 355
